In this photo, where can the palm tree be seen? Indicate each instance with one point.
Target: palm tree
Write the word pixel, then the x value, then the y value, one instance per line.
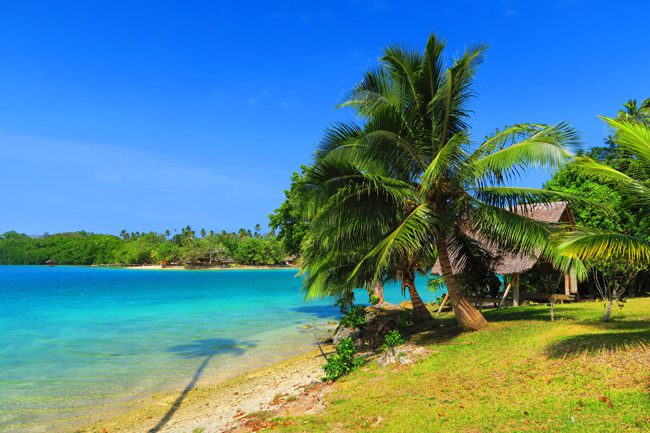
pixel 634 112
pixel 633 135
pixel 187 236
pixel 408 185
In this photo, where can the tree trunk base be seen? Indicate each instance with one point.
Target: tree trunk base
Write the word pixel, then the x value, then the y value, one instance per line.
pixel 468 316
pixel 421 314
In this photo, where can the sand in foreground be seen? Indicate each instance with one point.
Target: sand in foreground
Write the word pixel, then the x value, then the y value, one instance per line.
pixel 220 407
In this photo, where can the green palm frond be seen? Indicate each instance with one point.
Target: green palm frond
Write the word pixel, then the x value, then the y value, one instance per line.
pixel 564 263
pixel 500 139
pixel 377 93
pixel 448 107
pixel 632 136
pixel 586 245
pixel 432 75
pixel 388 146
pixel 451 154
pixel 508 230
pixel 510 196
pixel 546 148
pixel 410 235
pixel 338 135
pixel 404 66
pixel 602 172
pixel 640 193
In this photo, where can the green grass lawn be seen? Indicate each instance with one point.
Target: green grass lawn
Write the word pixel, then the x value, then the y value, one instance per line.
pixel 524 373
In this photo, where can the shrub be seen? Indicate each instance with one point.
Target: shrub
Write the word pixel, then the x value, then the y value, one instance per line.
pixel 355 318
pixel 393 338
pixel 343 362
pixel 374 299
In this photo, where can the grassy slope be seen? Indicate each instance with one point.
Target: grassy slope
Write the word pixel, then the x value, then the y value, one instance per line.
pixel 524 373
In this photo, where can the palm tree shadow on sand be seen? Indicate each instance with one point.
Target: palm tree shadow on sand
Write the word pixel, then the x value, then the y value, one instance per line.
pixel 206 349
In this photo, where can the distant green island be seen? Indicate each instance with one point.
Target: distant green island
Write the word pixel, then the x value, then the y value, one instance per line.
pixel 186 247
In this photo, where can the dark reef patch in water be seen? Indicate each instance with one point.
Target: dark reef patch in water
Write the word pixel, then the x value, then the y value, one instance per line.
pixel 319 311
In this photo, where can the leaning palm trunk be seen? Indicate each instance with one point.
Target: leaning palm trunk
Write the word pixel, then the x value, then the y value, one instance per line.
pixel 467 315
pixel 420 311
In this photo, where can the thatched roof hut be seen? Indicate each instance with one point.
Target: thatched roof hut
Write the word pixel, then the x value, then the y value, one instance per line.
pixel 516 263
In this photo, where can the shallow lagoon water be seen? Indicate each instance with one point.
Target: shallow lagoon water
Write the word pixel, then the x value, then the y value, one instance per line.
pixel 74 339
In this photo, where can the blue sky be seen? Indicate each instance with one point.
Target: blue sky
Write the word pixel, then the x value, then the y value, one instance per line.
pixel 148 115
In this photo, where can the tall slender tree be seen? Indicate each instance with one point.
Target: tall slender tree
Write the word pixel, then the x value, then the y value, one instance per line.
pixel 406 185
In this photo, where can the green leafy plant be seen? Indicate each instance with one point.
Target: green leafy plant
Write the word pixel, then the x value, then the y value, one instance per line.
pixel 392 339
pixel 343 362
pixel 354 318
pixel 374 299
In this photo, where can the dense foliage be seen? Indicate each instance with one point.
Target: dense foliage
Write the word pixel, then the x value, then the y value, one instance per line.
pixel 405 184
pixel 76 248
pixel 392 339
pixel 289 219
pixel 355 317
pixel 615 240
pixel 82 248
pixel 632 220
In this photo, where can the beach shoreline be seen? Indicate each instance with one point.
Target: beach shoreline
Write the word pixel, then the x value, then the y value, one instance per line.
pixel 222 405
pixel 115 341
pixel 201 268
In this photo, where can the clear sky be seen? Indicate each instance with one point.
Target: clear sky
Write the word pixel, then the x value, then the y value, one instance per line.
pixel 148 115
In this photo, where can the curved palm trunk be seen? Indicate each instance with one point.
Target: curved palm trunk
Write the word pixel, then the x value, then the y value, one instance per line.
pixel 420 311
pixel 467 315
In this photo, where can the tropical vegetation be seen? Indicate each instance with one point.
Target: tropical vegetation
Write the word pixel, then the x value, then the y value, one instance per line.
pixel 407 185
pixel 343 361
pixel 613 243
pixel 289 219
pixel 631 180
pixel 184 247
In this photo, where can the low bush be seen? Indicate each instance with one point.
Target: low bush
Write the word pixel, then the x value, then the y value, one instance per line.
pixel 393 338
pixel 343 362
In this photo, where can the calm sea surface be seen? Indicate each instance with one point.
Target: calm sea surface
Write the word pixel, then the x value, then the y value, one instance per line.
pixel 76 339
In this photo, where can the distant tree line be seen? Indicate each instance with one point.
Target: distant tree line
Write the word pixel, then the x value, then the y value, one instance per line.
pixel 244 247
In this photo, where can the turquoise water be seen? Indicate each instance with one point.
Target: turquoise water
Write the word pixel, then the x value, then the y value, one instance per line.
pixel 73 339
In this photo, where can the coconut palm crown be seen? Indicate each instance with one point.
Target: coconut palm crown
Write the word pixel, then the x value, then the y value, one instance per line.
pixel 406 184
